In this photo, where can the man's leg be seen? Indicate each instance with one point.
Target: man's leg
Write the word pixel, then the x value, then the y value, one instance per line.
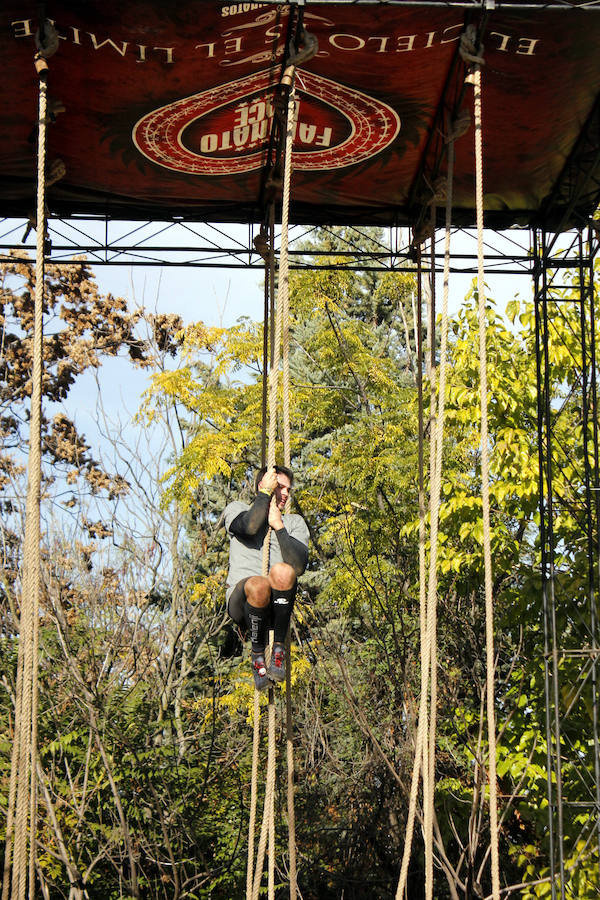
pixel 282 579
pixel 237 602
pixel 257 590
pixel 237 631
pixel 257 611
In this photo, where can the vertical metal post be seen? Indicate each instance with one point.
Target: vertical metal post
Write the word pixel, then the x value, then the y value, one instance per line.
pixel 569 503
pixel 541 341
pixel 592 500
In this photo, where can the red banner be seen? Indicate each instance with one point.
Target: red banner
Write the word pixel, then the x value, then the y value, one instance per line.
pixel 168 107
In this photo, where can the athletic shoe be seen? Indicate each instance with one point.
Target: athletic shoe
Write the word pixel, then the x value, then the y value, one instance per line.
pixel 277 665
pixel 259 670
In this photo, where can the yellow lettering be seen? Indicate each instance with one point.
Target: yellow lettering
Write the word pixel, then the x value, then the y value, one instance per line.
pixel 240 136
pixel 307 133
pixel 208 143
pixel 449 40
pixel 273 32
pixel 383 41
pixel 358 45
pixel 233 45
pixel 25 25
pixel 503 42
pixel 256 113
pixel 324 139
pixel 122 49
pixel 259 130
pixel 241 115
pixel 211 49
pixel 239 8
pixel 410 43
pixel 527 46
pixel 168 52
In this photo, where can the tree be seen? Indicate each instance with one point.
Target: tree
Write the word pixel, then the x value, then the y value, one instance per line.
pixel 145 746
pixel 354 447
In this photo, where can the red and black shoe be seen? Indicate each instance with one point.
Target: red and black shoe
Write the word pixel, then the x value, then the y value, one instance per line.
pixel 259 670
pixel 276 671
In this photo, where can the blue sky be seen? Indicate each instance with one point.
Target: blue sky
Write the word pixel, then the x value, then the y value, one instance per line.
pixel 219 296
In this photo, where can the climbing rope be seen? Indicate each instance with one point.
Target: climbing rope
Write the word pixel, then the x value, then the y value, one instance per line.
pixel 253 794
pixel 421 723
pixel 285 305
pixel 472 53
pixel 22 811
pixel 267 829
pixel 301 47
pixel 425 743
pixel 485 491
pixel 425 739
pixel 280 348
pixel 424 758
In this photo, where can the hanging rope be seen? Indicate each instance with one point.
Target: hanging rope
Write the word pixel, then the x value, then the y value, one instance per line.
pixel 280 347
pixel 422 716
pixel 301 46
pixel 285 304
pixel 266 827
pixel 22 812
pixel 425 739
pixel 253 794
pixel 425 743
pixel 485 491
pixel 472 52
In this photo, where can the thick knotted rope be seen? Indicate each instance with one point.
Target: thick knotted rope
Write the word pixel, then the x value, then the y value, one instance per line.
pixel 22 812
pixel 485 494
pixel 280 346
pixel 425 740
pixel 424 757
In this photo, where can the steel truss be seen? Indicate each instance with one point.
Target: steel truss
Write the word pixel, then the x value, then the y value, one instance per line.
pixel 569 523
pixel 188 244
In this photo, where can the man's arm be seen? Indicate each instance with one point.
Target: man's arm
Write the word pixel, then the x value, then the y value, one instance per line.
pixel 250 522
pixel 293 551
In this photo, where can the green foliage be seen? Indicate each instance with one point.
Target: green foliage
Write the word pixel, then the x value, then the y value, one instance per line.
pixel 145 728
pixel 354 421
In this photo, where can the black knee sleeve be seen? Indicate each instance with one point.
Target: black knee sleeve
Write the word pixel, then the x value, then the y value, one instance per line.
pixel 257 620
pixel 283 606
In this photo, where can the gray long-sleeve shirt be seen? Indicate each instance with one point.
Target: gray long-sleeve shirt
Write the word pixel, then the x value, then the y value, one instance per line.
pixel 247 525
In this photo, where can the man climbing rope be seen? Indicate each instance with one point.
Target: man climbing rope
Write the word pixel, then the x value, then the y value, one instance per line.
pixel 261 602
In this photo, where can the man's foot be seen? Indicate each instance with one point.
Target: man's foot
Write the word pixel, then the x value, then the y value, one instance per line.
pixel 259 670
pixel 277 665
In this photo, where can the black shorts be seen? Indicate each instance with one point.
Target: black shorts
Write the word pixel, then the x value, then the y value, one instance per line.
pixel 235 606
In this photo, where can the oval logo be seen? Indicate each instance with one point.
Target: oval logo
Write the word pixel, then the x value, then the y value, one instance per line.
pixel 225 130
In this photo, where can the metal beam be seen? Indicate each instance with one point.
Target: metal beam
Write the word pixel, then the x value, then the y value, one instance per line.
pixel 185 244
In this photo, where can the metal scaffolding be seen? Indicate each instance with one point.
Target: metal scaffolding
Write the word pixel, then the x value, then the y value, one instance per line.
pixel 561 267
pixel 190 244
pixel 569 519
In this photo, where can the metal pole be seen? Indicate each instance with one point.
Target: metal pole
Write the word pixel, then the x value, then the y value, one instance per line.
pixel 547 558
pixel 592 487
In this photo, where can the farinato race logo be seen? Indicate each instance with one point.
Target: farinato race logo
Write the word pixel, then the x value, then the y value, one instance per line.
pixel 224 130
